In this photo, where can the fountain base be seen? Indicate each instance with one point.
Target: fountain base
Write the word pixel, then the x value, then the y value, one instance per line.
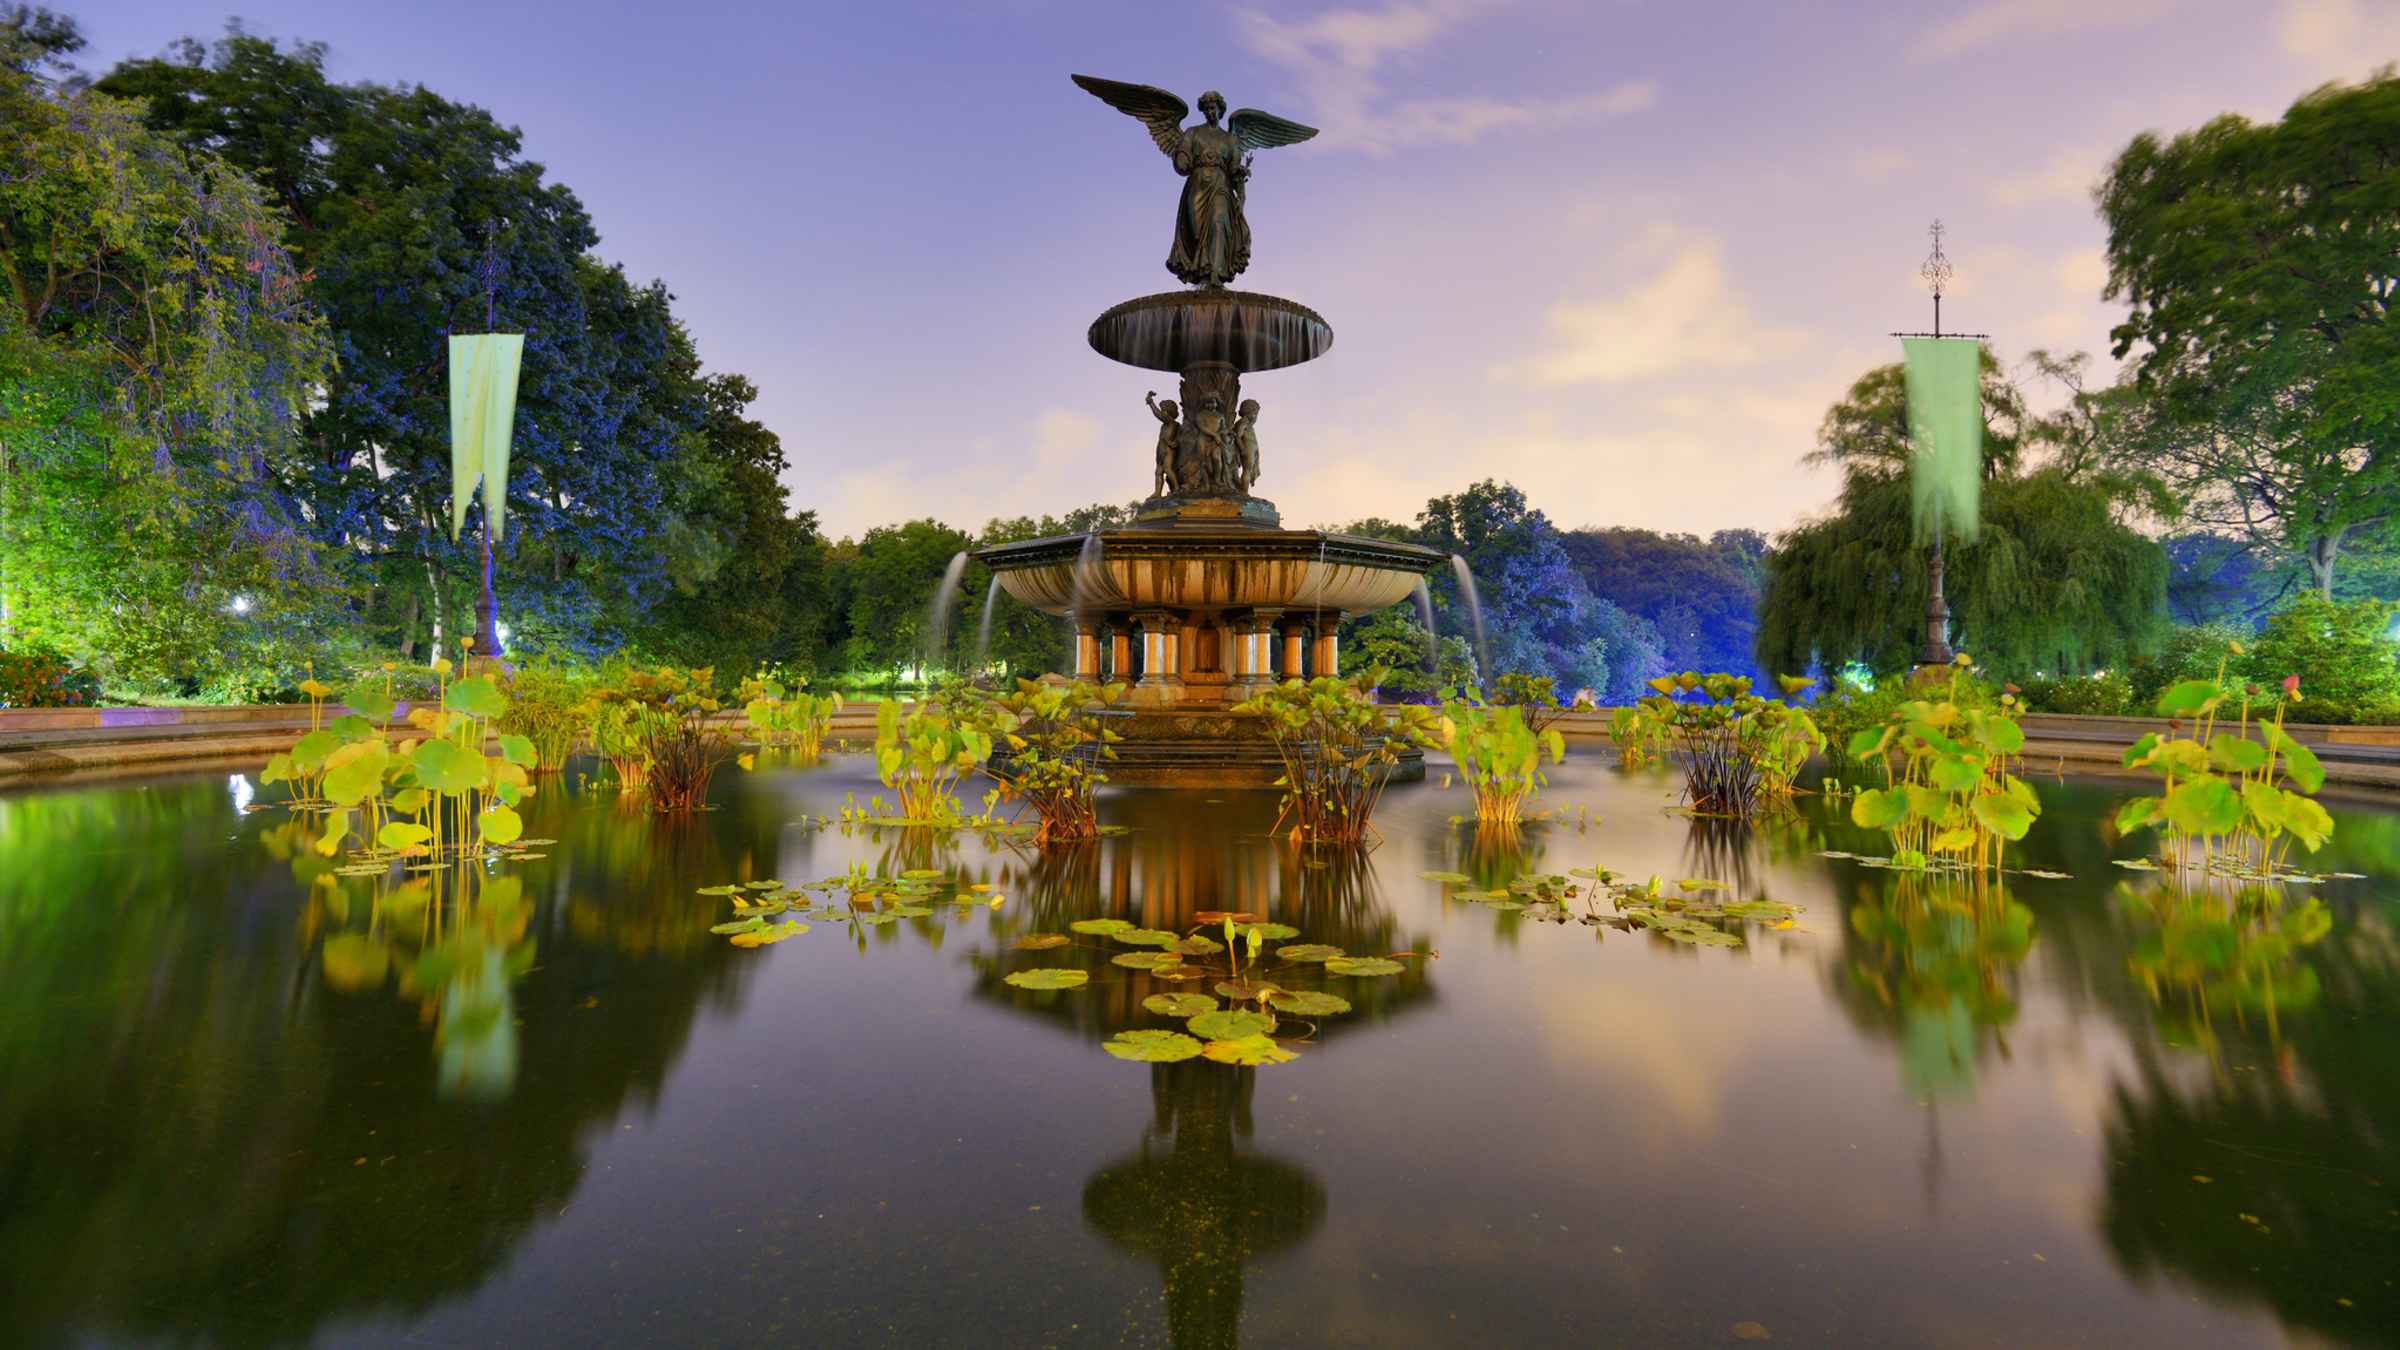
pixel 1187 745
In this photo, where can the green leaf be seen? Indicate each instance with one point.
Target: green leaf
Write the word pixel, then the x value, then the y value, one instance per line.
pixel 1146 960
pixel 1879 808
pixel 2187 698
pixel 1308 1003
pixel 2236 754
pixel 447 767
pixel 1226 1024
pixel 1363 966
pixel 2137 813
pixel 2307 821
pixel 2204 806
pixel 1447 878
pixel 370 701
pixel 1034 942
pixel 1048 977
pixel 519 750
pixel 402 834
pixel 1152 1046
pixel 500 825
pixel 1247 1050
pixel 749 925
pixel 2300 763
pixel 1308 951
pixel 1273 932
pixel 1143 937
pixel 2002 734
pixel 2003 815
pixel 1180 1005
pixel 475 696
pixel 356 778
pixel 1101 927
pixel 2140 750
pixel 1869 741
pixel 309 752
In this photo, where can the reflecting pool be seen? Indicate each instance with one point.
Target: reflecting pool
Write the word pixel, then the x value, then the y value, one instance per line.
pixel 251 1099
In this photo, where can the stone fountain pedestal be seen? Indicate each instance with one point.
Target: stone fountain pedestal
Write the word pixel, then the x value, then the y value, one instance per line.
pixel 1205 598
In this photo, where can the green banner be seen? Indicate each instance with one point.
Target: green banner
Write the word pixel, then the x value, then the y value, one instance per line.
pixel 1945 423
pixel 483 415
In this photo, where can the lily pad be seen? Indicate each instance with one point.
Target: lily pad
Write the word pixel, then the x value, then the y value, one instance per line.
pixel 720 890
pixel 749 925
pixel 1242 991
pixel 1221 915
pixel 1228 1024
pixel 1035 942
pixel 1250 1050
pixel 1048 977
pixel 917 873
pixel 1363 966
pixel 1447 878
pixel 1143 937
pixel 762 885
pixel 1272 932
pixel 1198 946
pixel 1101 927
pixel 770 933
pixel 1309 1003
pixel 1145 960
pixel 1152 1046
pixel 1180 1005
pixel 1308 951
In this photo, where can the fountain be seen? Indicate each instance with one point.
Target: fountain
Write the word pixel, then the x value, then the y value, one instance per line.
pixel 1205 598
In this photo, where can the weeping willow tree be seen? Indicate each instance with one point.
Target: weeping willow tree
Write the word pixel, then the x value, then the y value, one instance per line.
pixel 2056 580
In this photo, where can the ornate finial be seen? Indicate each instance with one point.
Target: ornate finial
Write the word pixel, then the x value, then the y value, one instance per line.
pixel 1937 274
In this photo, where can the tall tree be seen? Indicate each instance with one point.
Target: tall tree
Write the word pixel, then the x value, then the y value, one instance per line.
pixel 417 217
pixel 2258 263
pixel 2058 579
pixel 156 351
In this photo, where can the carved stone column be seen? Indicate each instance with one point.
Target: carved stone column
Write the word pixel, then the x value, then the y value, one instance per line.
pixel 1295 649
pixel 1254 638
pixel 1087 649
pixel 1328 655
pixel 1120 651
pixel 1162 650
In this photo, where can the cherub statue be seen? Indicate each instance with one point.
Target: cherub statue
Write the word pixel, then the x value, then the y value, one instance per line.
pixel 1245 438
pixel 1204 464
pixel 1166 481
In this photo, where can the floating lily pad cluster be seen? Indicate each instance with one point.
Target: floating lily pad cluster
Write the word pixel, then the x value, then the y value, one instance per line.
pixel 1694 912
pixel 860 900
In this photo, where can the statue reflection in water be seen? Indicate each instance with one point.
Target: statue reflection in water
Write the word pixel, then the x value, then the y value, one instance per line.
pixel 1196 1200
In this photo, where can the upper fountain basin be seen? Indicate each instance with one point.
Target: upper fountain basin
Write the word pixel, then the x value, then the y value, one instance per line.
pixel 1181 329
pixel 1227 568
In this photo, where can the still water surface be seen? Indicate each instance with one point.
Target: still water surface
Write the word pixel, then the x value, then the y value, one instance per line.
pixel 243 1105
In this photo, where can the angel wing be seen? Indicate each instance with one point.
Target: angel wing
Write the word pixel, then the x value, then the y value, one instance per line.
pixel 1256 130
pixel 1155 108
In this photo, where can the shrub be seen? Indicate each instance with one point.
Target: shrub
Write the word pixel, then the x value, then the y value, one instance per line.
pixel 1052 740
pixel 2191 652
pixel 1737 749
pixel 2342 651
pixel 663 717
pixel 38 677
pixel 548 704
pixel 2107 694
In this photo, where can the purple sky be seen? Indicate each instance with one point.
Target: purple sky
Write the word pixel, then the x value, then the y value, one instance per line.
pixel 1623 252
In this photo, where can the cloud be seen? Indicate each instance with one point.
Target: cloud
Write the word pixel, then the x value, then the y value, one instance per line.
pixel 1019 476
pixel 1876 166
pixel 1686 317
pixel 2336 38
pixel 1335 59
pixel 2001 20
pixel 2069 176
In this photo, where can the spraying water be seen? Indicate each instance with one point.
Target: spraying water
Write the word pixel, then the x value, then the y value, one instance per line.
pixel 1088 577
pixel 1433 640
pixel 937 615
pixel 1466 592
pixel 983 626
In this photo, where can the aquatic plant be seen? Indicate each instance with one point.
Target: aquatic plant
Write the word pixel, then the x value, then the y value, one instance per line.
pixel 1338 747
pixel 667 716
pixel 2232 797
pixel 1499 752
pixel 1738 750
pixel 1953 795
pixel 1694 913
pixel 548 704
pixel 1639 733
pixel 787 714
pixel 1053 740
pixel 2203 952
pixel 923 752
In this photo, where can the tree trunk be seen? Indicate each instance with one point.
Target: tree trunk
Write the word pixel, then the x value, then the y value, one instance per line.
pixel 2321 552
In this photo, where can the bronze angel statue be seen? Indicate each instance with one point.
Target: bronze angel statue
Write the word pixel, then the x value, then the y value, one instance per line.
pixel 1212 240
